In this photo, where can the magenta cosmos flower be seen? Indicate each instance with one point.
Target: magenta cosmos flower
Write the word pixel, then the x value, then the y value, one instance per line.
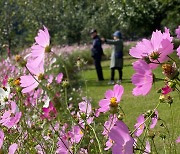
pixel 109 124
pixel 12 149
pixel 40 47
pixel 154 50
pixel 59 77
pixel 123 142
pixel 178 140
pixel 28 82
pixel 154 119
pixel 1 138
pixel 112 98
pixel 139 126
pixel 178 32
pixel 49 112
pixel 76 134
pixel 178 51
pixel 147 148
pixel 11 117
pixel 142 79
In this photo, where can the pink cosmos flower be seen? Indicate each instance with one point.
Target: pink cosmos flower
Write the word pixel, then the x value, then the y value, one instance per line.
pixel 1 138
pixel 12 149
pixel 166 90
pixel 123 142
pixel 154 119
pixel 77 134
pixel 156 49
pixel 64 146
pixel 49 112
pixel 109 124
pixel 28 82
pixel 11 117
pixel 147 148
pixel 59 77
pixel 178 140
pixel 139 126
pixel 178 51
pixel 40 47
pixel 85 107
pixel 109 144
pixel 142 79
pixel 112 98
pixel 178 32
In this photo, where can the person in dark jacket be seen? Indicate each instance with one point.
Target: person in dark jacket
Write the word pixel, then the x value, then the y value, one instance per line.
pixel 97 53
pixel 116 55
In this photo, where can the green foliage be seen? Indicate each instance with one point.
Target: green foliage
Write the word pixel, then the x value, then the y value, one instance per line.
pixel 70 21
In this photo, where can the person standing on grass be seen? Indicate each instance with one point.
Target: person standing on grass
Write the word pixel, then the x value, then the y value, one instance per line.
pixel 97 53
pixel 116 56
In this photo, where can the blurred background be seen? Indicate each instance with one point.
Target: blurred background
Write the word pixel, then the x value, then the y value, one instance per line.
pixel 69 21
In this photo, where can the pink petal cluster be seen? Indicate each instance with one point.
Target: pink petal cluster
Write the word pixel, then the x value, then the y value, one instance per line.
pixel 76 134
pixel 12 149
pixel 178 51
pixel 64 146
pixel 59 77
pixel 159 45
pixel 147 148
pixel 154 119
pixel 49 112
pixel 109 124
pixel 11 117
pixel 178 32
pixel 178 140
pixel 29 82
pixel 123 142
pixel 139 126
pixel 112 98
pixel 85 110
pixel 39 48
pixel 166 90
pixel 1 138
pixel 142 79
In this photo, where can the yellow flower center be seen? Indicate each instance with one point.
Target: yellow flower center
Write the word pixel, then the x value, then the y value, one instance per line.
pixel 113 102
pixel 17 82
pixel 141 127
pixel 81 132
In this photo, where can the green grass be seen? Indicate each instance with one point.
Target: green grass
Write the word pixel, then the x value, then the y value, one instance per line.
pixel 134 106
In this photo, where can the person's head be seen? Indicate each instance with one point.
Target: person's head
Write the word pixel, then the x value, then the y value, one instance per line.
pixel 93 33
pixel 117 35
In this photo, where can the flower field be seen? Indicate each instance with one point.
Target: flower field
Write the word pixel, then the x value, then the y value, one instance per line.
pixel 51 103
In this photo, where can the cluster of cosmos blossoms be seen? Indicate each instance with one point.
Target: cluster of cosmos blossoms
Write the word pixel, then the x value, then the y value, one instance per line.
pixel 31 114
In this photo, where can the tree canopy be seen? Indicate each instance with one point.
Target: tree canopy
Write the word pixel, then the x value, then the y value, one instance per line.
pixel 69 21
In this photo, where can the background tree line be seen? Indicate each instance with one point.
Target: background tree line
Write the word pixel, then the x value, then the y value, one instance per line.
pixel 69 21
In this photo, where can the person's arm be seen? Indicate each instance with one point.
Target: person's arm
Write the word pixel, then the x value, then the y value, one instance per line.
pixel 108 41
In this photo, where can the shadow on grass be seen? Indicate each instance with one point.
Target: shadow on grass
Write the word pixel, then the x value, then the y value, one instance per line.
pixel 92 82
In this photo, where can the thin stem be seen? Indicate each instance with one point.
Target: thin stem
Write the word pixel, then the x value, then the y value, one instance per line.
pixel 164 145
pixel 154 146
pixel 146 119
pixel 60 138
pixel 99 145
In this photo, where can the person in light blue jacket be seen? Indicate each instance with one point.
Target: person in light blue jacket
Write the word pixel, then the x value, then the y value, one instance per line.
pixel 116 56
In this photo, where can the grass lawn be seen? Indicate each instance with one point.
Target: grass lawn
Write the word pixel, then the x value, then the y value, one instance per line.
pixel 134 106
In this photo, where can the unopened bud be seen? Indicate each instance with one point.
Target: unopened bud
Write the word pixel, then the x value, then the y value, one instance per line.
pixel 65 83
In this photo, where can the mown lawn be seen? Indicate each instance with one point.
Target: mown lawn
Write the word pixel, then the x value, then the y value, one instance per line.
pixel 134 106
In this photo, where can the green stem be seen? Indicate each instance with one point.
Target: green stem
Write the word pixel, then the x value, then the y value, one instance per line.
pixel 95 135
pixel 146 119
pixel 154 146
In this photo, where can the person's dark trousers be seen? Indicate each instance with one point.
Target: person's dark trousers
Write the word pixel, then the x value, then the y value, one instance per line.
pixel 113 73
pixel 97 63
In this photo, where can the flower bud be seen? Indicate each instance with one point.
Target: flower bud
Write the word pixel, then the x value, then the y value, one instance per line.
pixel 170 71
pixel 65 83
